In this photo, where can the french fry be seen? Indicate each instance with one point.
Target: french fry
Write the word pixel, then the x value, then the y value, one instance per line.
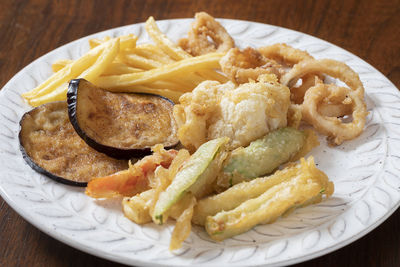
pixel 115 68
pixel 172 85
pixel 64 75
pixel 60 64
pixel 304 188
pixel 136 61
pixel 175 51
pixel 152 52
pixel 96 42
pixel 161 40
pixel 212 75
pixel 208 61
pixel 119 68
pixel 141 88
pixel 126 41
pixel 108 55
pixel 148 63
pixel 56 89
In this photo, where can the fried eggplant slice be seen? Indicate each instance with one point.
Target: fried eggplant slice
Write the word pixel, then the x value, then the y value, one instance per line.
pixel 121 125
pixel 50 145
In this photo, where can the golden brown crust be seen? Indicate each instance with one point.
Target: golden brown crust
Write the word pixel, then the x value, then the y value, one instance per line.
pixel 51 142
pixel 204 28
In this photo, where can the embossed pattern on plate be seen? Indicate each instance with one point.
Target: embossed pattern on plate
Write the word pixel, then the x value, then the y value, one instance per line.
pixel 365 172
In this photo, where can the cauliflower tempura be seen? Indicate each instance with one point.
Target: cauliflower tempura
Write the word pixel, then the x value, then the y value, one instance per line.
pixel 215 110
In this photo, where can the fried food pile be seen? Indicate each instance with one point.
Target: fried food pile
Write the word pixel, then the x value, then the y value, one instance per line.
pixel 239 114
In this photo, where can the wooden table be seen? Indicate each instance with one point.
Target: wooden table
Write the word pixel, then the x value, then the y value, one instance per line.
pixel 29 29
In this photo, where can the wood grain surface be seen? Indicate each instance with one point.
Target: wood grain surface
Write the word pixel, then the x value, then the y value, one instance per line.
pixel 29 29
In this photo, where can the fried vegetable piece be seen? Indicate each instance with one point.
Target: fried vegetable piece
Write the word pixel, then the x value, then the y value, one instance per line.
pixel 132 181
pixel 242 192
pixel 193 172
pixel 137 208
pixel 163 177
pixel 183 224
pixel 120 125
pixel 304 187
pixel 264 155
pixel 68 159
pixel 310 142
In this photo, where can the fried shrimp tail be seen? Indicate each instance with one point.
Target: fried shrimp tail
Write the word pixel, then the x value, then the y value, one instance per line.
pixel 132 181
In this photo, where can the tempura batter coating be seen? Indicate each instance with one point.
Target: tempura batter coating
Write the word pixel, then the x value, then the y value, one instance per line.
pixel 215 110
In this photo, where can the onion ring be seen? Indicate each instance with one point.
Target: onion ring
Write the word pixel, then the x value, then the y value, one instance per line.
pixel 241 66
pixel 203 28
pixel 336 130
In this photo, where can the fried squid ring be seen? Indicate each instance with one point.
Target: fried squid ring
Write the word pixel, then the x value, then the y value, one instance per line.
pixel 336 130
pixel 297 92
pixel 203 28
pixel 330 67
pixel 241 66
pixel 288 55
pixel 284 53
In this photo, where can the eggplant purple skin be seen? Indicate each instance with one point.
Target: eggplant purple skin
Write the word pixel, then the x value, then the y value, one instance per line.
pixel 113 152
pixel 39 169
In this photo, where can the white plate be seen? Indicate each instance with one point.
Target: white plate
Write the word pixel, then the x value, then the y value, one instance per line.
pixel 365 172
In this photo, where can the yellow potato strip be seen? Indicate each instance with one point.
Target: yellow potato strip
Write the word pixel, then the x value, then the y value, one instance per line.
pixel 136 61
pixel 161 40
pixel 212 75
pixel 182 67
pixel 60 64
pixel 64 75
pixel 176 52
pixel 115 68
pixel 108 55
pixel 126 41
pixel 154 53
pixel 118 68
pixel 91 73
pixel 168 85
pixel 67 73
pixel 96 42
pixel 141 88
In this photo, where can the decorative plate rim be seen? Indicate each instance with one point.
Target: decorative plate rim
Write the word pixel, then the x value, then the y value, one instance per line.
pixel 28 215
